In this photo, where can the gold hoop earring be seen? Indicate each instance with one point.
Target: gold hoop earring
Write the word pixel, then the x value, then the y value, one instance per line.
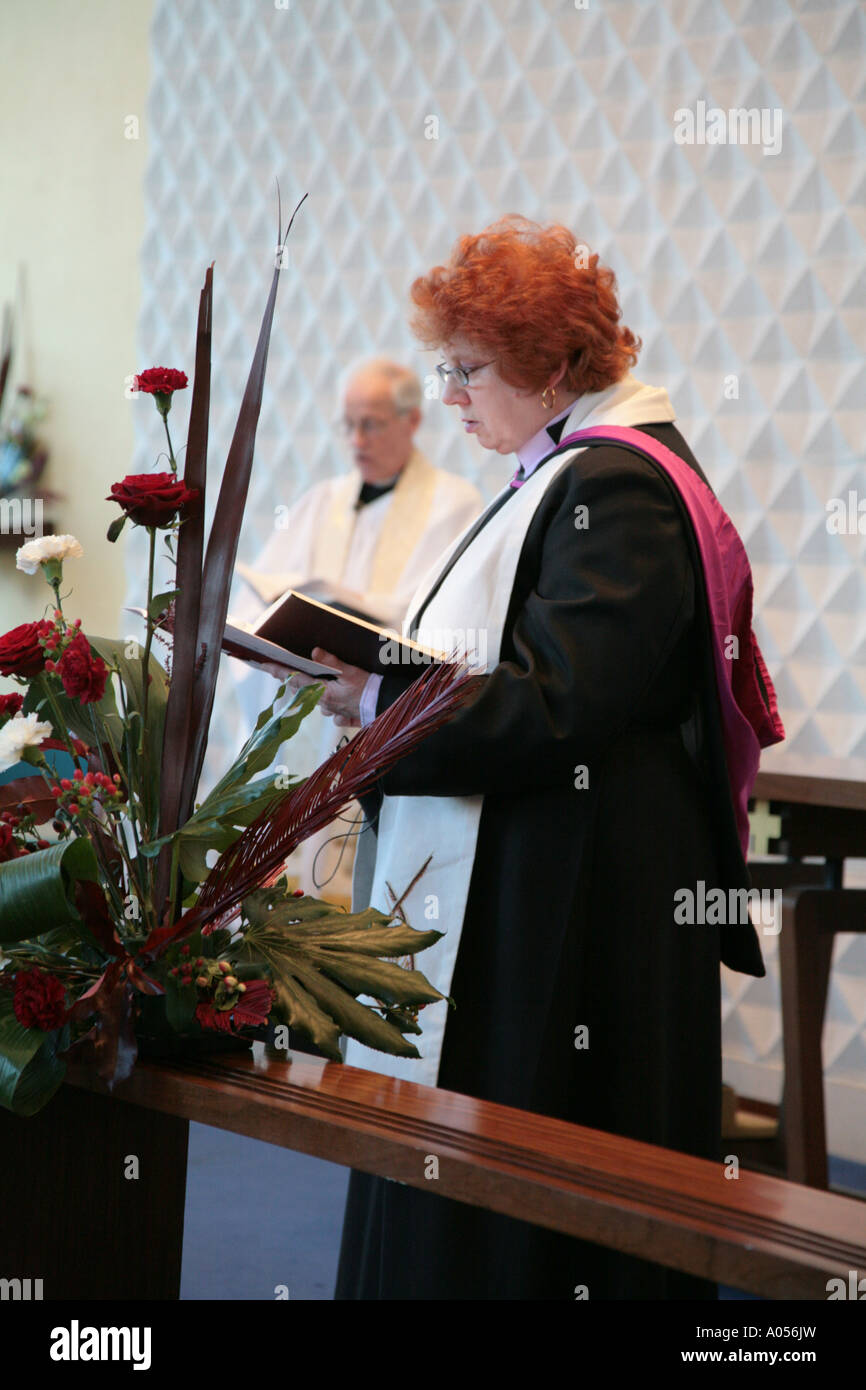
pixel 548 404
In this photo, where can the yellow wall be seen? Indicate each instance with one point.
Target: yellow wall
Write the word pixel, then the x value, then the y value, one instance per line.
pixel 73 215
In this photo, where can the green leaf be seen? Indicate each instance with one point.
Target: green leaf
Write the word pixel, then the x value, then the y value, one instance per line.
pixel 131 673
pixel 30 1070
pixel 160 602
pixel 357 1020
pixel 295 1006
pixel 36 890
pixel 113 651
pixel 116 527
pixel 267 905
pixel 78 719
pixel 180 1004
pixel 320 958
pixel 262 746
pixel 362 975
pixel 317 923
pixel 236 801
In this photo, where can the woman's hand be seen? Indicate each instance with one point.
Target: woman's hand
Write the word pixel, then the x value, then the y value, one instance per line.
pixel 342 696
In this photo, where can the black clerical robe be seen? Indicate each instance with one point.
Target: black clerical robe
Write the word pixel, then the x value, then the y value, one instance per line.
pixel 606 665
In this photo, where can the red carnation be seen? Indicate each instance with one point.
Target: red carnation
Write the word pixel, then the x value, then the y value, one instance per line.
pixel 20 652
pixel 10 705
pixel 83 674
pixel 151 499
pixel 8 848
pixel 39 1001
pixel 250 1011
pixel 159 381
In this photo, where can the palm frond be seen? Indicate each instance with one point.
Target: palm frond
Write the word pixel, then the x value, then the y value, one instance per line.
pixel 222 544
pixel 257 857
pixel 176 795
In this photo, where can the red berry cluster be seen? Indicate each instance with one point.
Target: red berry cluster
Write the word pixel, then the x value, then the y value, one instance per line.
pixel 57 638
pixel 77 794
pixel 183 970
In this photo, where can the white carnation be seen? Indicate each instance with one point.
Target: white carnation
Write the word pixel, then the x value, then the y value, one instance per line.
pixel 24 731
pixel 34 553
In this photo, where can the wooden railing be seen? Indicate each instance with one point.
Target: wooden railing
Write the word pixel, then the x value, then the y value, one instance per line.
pixel 757 1233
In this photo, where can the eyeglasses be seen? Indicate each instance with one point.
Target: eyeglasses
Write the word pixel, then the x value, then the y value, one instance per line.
pixel 367 425
pixel 460 374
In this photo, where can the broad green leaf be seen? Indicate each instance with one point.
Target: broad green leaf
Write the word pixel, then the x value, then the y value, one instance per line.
pixel 295 1006
pixel 180 1004
pixel 276 904
pixel 357 1020
pixel 131 673
pixel 36 890
pixel 262 746
pixel 77 718
pixel 160 602
pixel 362 975
pixel 321 957
pixel 236 801
pixel 315 922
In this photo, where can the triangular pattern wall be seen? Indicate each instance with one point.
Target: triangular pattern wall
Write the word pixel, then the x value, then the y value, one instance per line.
pixel 409 121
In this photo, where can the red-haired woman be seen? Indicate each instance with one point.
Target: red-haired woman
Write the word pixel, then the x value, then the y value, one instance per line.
pixel 598 779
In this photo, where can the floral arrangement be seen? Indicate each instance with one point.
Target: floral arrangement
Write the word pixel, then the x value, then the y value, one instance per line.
pixel 114 920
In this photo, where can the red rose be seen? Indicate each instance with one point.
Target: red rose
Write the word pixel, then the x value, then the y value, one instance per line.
pixel 20 652
pixel 151 499
pixel 159 381
pixel 83 674
pixel 40 1000
pixel 10 705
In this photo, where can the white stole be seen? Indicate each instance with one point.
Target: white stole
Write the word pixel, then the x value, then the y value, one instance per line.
pixel 474 595
pixel 408 513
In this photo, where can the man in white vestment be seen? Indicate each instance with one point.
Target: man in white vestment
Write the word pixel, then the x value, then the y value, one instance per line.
pixel 365 538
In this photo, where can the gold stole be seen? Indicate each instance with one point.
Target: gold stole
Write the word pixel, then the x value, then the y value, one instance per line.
pixel 406 521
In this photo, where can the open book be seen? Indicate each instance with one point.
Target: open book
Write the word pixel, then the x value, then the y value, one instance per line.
pixel 288 631
pixel 244 643
pixel 270 587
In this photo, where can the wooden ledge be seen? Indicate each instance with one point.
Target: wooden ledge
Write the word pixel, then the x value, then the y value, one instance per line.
pixel 756 1233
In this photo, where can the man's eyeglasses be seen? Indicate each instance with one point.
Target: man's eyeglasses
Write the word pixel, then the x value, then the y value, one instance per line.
pixel 460 374
pixel 367 424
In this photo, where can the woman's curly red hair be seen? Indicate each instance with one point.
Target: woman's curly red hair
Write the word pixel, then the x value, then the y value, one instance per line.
pixel 531 296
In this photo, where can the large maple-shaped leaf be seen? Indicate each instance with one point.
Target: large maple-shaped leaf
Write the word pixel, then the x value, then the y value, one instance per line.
pixel 321 958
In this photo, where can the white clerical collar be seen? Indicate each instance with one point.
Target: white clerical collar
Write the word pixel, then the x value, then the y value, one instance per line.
pixel 628 402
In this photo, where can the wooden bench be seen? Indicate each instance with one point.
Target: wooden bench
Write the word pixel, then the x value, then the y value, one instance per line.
pixel 72 1217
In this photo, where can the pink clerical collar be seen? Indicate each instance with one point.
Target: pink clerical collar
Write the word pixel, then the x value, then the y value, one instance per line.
pixel 538 447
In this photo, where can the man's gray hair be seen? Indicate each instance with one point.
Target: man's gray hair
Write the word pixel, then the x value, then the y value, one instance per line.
pixel 405 386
